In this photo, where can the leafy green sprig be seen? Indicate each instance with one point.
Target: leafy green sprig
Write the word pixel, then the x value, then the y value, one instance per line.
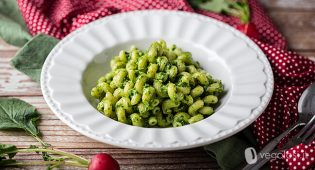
pixel 237 8
pixel 17 114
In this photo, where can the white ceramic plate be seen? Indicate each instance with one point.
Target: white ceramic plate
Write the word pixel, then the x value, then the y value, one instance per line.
pixel 74 65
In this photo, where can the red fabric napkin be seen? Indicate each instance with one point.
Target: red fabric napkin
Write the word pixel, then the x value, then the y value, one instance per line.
pixel 293 73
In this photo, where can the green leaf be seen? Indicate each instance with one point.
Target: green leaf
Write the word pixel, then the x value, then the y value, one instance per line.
pixel 239 9
pixel 31 57
pixel 12 26
pixel 229 153
pixel 211 5
pixel 17 114
pixel 195 3
pixel 4 149
pixel 215 6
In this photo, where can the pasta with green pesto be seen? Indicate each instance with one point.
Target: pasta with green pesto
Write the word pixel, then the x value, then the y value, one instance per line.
pixel 160 87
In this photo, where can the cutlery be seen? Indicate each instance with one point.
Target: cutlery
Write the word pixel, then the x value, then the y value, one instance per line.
pixel 305 136
pixel 306 110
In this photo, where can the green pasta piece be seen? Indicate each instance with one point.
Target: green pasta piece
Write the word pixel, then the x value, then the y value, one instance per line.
pixel 117 64
pixel 172 72
pixel 148 94
pixel 195 118
pixel 108 109
pixel 184 90
pixel 123 102
pixel 131 65
pixel 177 124
pixel 191 69
pixel 180 66
pixel 121 115
pixel 143 110
pixel 129 85
pixel 188 100
pixel 135 97
pixel 136 120
pixel 178 51
pixel 161 121
pixel 152 69
pixel 169 118
pixel 171 91
pixel 160 88
pixel 109 76
pixel 206 110
pixel 202 78
pixel 210 99
pixel 170 55
pixel 197 91
pixel 101 79
pixel 95 92
pixel 134 54
pixel 161 76
pixel 100 106
pixel 192 110
pixel 182 116
pixel 105 87
pixel 162 62
pixel 110 97
pixel 141 80
pixel 185 79
pixel 142 63
pixel 156 110
pixel 180 108
pixel 152 53
pixel 119 92
pixel 118 79
pixel 123 56
pixel 152 121
pixel 186 58
pixel 132 75
pixel 167 105
pixel 215 88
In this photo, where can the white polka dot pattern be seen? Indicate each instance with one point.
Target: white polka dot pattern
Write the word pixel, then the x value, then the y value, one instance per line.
pixel 293 73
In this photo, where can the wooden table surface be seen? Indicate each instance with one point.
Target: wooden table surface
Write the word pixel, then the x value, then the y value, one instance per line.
pixel 294 18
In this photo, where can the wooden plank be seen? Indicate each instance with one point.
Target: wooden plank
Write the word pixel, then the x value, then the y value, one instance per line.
pixel 130 159
pixel 13 82
pixel 288 4
pixel 6 47
pixel 297 27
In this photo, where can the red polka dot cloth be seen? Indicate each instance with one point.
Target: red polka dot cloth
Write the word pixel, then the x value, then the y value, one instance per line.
pixel 293 73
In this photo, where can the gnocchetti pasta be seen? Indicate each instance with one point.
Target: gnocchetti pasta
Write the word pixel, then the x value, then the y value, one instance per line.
pixel 160 87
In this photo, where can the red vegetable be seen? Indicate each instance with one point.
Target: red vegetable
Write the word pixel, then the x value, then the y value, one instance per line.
pixel 103 161
pixel 249 29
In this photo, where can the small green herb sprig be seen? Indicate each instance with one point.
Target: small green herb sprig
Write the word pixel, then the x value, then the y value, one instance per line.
pixel 16 114
pixel 237 8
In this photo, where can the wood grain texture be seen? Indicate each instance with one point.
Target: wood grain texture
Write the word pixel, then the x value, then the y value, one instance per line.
pixel 289 5
pixel 297 26
pixel 294 18
pixel 13 82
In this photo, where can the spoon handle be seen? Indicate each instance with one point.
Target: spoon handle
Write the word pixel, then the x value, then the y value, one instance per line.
pixel 270 146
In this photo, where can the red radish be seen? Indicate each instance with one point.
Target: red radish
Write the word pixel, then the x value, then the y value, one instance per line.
pixel 103 161
pixel 249 29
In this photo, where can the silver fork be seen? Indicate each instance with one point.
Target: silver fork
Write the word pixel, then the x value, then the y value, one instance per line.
pixel 306 135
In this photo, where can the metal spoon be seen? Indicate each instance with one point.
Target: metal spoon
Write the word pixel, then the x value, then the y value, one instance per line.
pixel 306 105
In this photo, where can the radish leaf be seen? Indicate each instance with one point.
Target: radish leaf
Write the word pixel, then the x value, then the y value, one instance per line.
pixel 17 114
